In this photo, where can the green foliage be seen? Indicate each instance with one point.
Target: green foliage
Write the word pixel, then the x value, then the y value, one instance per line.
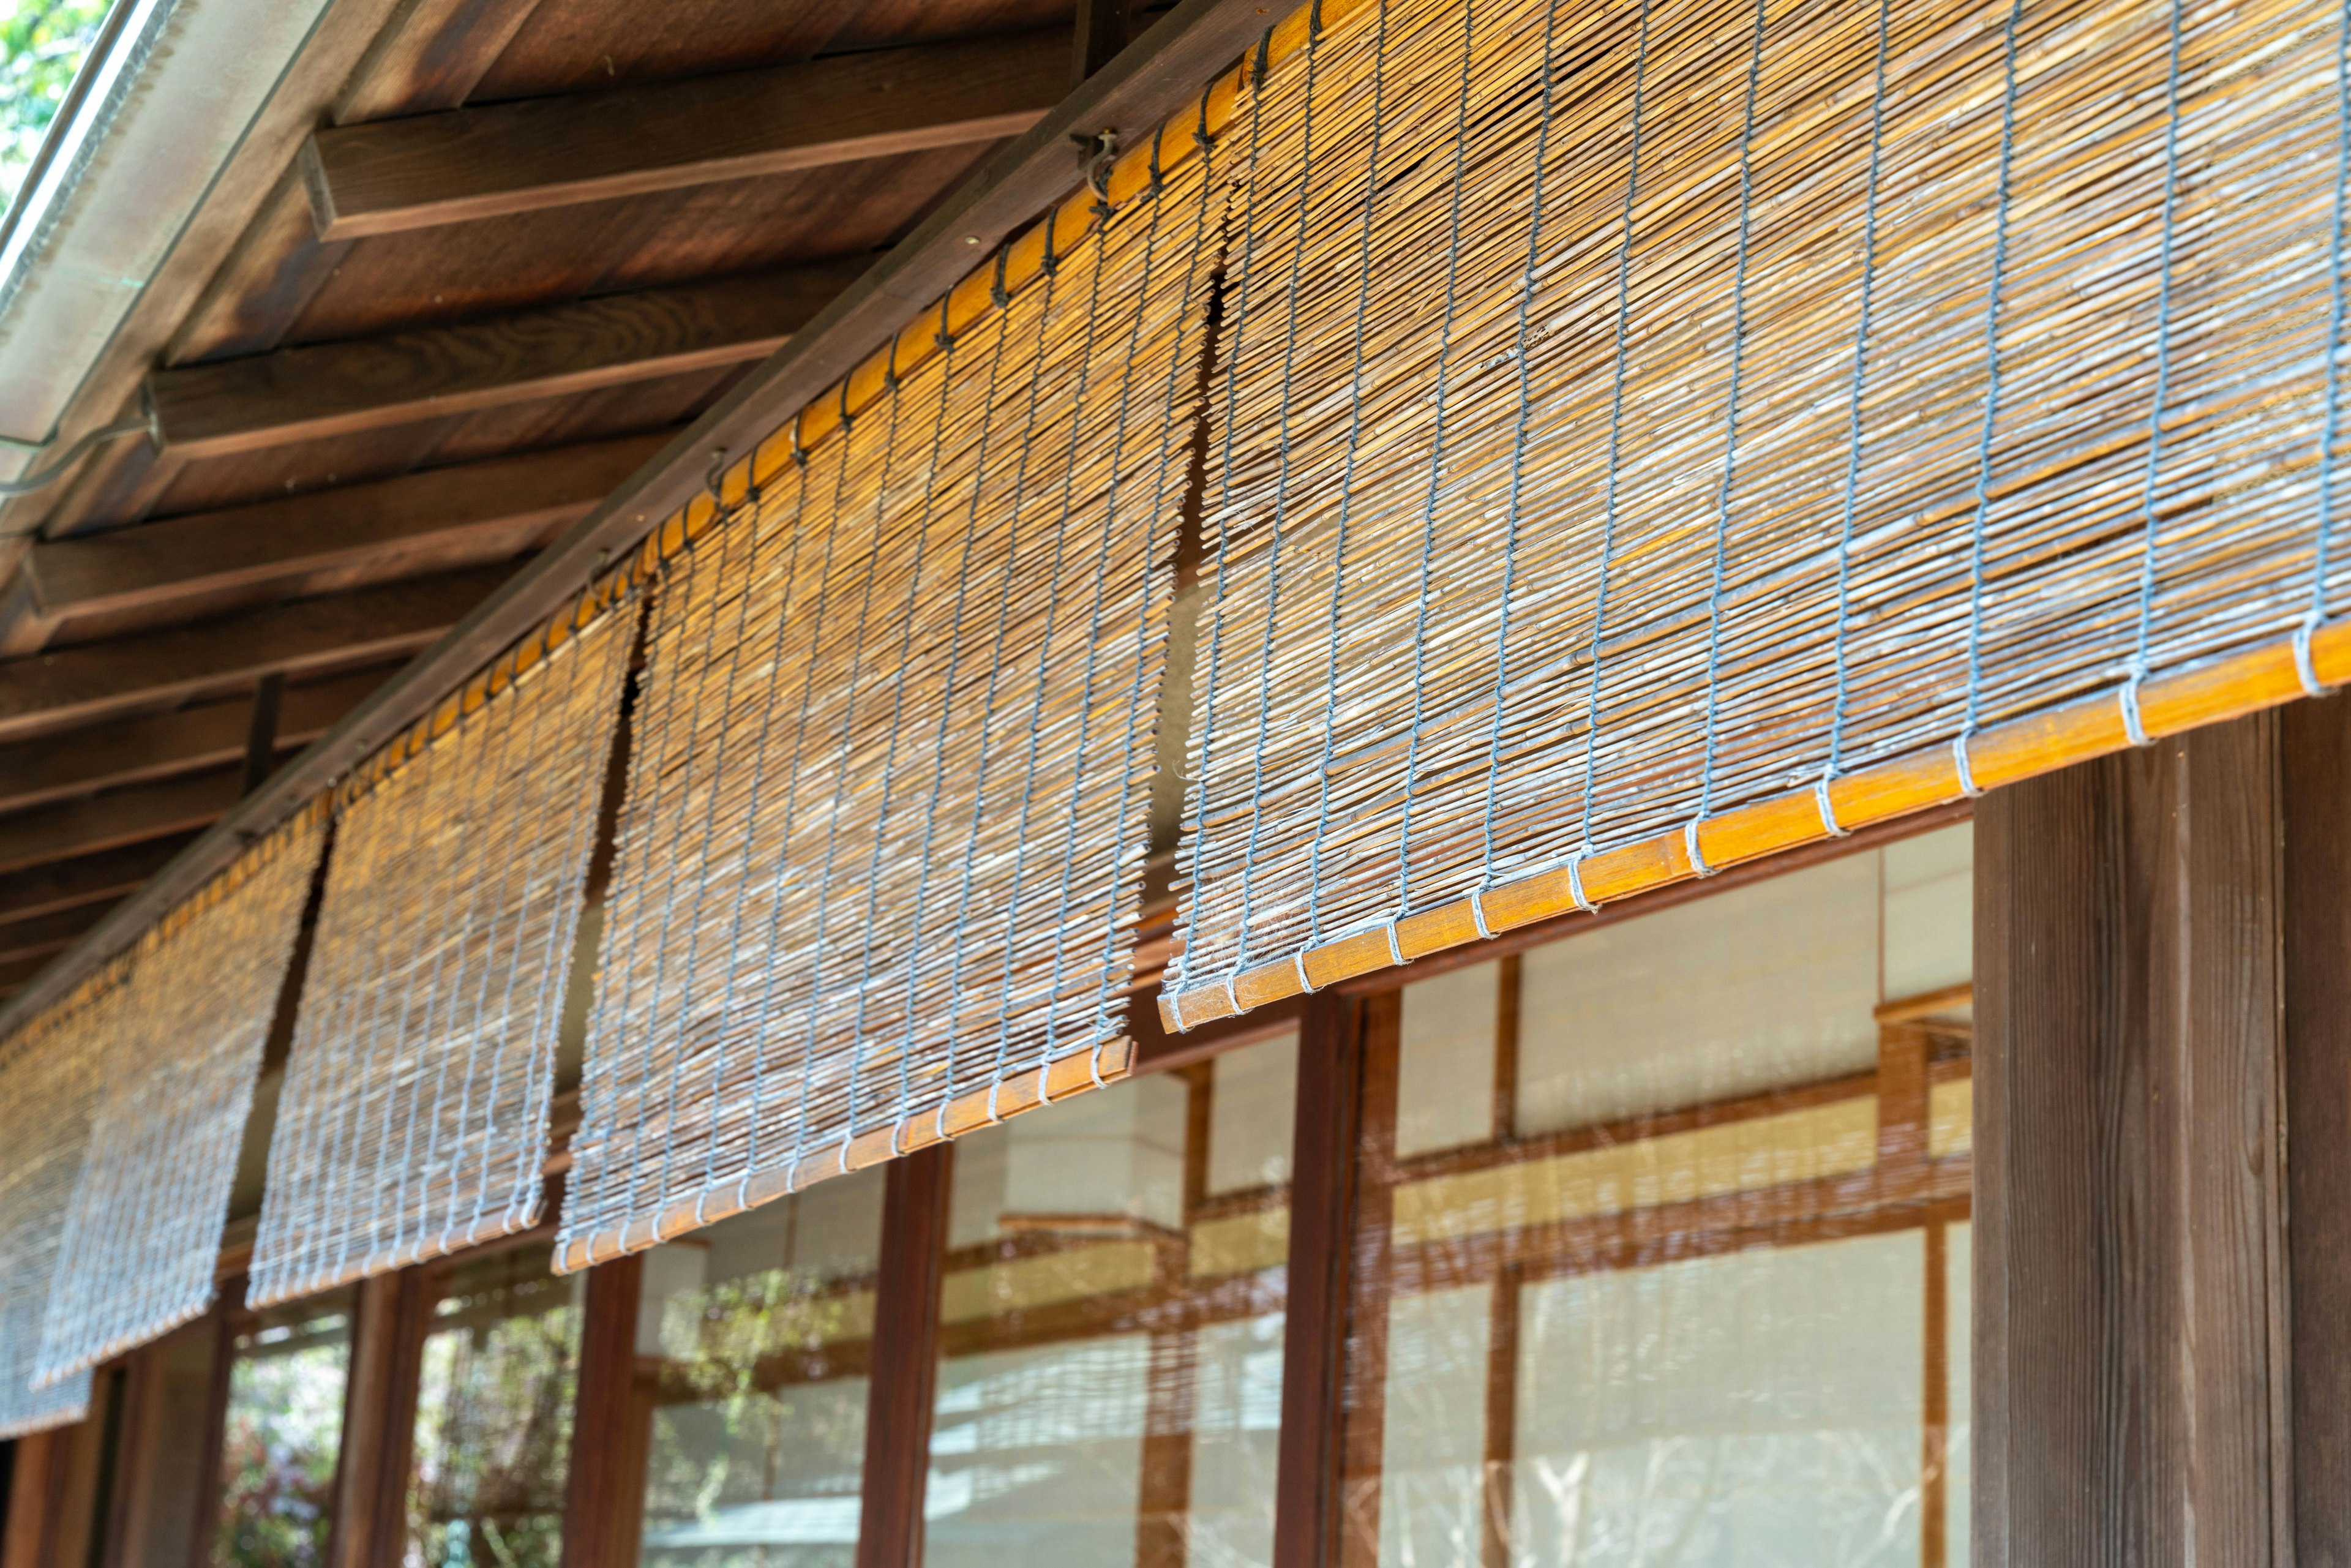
pixel 41 46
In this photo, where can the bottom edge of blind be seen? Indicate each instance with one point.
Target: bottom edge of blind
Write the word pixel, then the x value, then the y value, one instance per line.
pixel 391 1259
pixel 1039 1086
pixel 49 1376
pixel 2096 725
pixel 47 1421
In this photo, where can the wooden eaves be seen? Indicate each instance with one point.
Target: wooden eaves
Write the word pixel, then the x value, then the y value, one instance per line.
pixel 1142 86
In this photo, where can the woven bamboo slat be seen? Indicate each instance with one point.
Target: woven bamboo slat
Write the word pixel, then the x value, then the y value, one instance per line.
pixel 177 1048
pixel 49 1084
pixel 414 1114
pixel 1651 436
pixel 882 842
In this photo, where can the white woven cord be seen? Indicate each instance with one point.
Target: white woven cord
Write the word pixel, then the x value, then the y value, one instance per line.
pixel 413 1117
pixel 882 847
pixel 180 1047
pixel 1978 310
pixel 49 1084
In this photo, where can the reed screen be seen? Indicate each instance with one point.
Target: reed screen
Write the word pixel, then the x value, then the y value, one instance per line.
pixel 413 1119
pixel 1651 434
pixel 177 1058
pixel 48 1083
pixel 883 841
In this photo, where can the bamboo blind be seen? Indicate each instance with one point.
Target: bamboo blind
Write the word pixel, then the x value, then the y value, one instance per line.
pixel 1653 434
pixel 413 1119
pixel 883 841
pixel 178 1052
pixel 48 1082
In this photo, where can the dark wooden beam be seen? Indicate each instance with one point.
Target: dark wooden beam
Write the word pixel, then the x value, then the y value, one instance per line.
pixel 1157 77
pixel 48 933
pixel 2314 786
pixel 126 816
pixel 899 1395
pixel 83 685
pixel 368 383
pixel 1101 33
pixel 321 541
pixel 2130 1360
pixel 135 751
pixel 469 163
pixel 1324 1167
pixel 92 879
pixel 603 1494
pixel 370 1525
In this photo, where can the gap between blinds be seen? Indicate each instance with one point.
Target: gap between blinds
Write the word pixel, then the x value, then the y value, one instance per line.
pixel 176 1045
pixel 1650 435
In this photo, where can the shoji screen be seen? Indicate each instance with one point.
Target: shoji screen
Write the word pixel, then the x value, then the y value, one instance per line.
pixel 413 1119
pixel 49 1081
pixel 883 834
pixel 1653 433
pixel 178 1051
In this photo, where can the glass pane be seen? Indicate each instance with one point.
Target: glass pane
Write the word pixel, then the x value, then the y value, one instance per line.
pixel 1686 1296
pixel 752 1338
pixel 494 1417
pixel 283 1432
pixel 1111 1391
pixel 1959 1254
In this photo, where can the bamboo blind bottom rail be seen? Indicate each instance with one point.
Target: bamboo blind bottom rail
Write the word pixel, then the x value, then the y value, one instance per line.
pixel 2246 682
pixel 1028 1091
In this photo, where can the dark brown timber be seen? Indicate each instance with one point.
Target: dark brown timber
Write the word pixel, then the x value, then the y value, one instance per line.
pixel 905 1321
pixel 326 540
pixel 1154 77
pixel 2130 1358
pixel 1324 1168
pixel 469 163
pixel 2314 746
pixel 368 383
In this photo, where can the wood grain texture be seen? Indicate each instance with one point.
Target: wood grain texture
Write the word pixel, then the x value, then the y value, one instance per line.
pixel 906 1319
pixel 38 937
pixel 126 816
pixel 370 1527
pixel 2315 751
pixel 474 164
pixel 607 1475
pixel 142 750
pixel 82 685
pixel 2129 1196
pixel 337 388
pixel 1323 1220
pixel 324 540
pixel 91 879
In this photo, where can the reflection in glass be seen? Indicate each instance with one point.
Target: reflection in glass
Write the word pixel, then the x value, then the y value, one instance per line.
pixel 282 1434
pixel 1112 1319
pixel 752 1338
pixel 494 1417
pixel 1662 1238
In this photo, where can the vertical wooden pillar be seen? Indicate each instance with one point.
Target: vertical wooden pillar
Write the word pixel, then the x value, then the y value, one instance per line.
pixel 1306 1524
pixel 905 1360
pixel 2315 774
pixel 604 1488
pixel 371 1469
pixel 2130 1331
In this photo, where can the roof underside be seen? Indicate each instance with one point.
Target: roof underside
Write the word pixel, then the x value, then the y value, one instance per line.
pixel 531 241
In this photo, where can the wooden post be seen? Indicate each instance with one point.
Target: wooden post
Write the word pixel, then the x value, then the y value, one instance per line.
pixel 2314 773
pixel 905 1360
pixel 606 1484
pixel 1321 1253
pixel 2130 1351
pixel 378 1440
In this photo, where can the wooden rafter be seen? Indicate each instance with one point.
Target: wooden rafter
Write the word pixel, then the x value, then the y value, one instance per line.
pixel 470 163
pixel 82 685
pixel 368 383
pixel 463 515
